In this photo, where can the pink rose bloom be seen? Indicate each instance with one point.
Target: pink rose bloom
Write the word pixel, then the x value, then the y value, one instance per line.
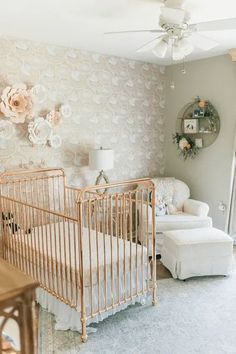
pixel 183 143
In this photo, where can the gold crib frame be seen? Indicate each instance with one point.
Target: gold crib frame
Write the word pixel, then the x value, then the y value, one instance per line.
pixel 39 200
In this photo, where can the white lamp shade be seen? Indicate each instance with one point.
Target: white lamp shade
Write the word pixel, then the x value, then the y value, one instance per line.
pixel 101 159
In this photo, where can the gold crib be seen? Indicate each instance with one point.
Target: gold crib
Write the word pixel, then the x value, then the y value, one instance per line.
pixel 80 244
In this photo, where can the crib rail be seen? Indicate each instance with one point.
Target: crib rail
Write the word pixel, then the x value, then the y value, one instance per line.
pixel 36 251
pixel 87 248
pixel 43 188
pixel 114 217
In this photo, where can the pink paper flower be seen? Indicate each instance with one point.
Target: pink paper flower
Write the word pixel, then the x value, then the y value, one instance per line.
pixel 17 103
pixel 54 118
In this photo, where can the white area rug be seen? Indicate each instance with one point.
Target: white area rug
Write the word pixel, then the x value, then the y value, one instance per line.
pixel 196 316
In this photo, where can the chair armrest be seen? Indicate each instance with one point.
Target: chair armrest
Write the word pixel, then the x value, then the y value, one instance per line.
pixel 196 207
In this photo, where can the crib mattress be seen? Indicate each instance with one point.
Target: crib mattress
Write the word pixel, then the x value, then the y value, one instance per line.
pixel 53 249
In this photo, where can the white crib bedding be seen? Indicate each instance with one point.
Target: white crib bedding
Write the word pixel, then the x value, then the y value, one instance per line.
pixel 59 241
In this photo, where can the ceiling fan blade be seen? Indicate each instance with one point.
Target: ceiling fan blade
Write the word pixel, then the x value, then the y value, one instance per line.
pixel 136 31
pixel 150 45
pixel 202 42
pixel 218 25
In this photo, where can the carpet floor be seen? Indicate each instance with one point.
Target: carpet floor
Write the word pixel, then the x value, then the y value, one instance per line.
pixel 195 316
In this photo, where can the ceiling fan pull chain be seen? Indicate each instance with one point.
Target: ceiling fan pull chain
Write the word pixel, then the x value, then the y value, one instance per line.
pixel 183 69
pixel 172 83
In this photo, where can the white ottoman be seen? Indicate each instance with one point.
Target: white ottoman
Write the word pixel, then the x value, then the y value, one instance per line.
pixel 196 252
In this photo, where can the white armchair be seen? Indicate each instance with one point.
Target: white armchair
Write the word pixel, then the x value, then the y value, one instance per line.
pixel 181 212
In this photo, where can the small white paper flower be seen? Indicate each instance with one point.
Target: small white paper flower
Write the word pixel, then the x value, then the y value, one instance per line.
pixel 6 129
pixel 40 131
pixel 66 110
pixel 55 141
pixel 40 92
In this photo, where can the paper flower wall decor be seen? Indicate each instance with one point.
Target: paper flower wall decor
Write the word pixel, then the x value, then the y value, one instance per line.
pixel 6 129
pixel 66 110
pixel 54 118
pixel 55 141
pixel 40 131
pixel 40 92
pixel 17 103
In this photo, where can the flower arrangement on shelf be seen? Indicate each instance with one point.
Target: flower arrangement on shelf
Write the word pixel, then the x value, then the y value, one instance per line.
pixel 186 146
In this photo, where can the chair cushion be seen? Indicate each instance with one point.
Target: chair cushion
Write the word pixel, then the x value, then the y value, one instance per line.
pixel 206 235
pixel 181 221
pixel 197 243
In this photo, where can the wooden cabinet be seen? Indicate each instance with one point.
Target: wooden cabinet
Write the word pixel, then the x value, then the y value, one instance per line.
pixel 17 295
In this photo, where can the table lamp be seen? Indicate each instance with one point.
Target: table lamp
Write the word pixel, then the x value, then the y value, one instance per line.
pixel 101 159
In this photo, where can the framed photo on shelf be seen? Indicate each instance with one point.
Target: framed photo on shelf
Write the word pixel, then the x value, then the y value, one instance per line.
pixel 199 143
pixel 198 112
pixel 191 126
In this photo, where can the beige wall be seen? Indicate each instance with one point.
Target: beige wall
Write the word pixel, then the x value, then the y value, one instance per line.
pixel 119 103
pixel 116 103
pixel 209 174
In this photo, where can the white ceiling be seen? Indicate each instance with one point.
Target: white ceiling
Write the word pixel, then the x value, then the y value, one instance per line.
pixel 82 23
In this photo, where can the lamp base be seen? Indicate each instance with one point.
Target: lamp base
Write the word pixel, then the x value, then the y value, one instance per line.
pixel 102 176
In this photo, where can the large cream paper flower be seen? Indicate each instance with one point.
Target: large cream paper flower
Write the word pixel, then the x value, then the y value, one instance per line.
pixel 17 103
pixel 40 131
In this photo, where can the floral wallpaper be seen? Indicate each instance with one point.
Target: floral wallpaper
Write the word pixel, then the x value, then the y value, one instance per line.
pixel 112 102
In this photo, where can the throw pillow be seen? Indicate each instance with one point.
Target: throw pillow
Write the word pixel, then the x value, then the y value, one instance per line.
pixel 161 208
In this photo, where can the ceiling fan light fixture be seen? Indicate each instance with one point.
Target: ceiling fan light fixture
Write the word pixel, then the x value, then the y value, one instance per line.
pixel 177 55
pixel 181 48
pixel 160 49
pixel 173 16
pixel 175 4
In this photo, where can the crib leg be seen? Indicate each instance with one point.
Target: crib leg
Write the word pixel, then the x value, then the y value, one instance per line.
pixel 84 335
pixel 154 283
pixel 154 295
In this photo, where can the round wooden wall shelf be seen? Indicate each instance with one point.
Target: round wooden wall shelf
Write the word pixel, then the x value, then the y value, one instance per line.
pixel 200 120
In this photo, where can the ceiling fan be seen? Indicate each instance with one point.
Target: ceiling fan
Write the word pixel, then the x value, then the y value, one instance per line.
pixel 178 34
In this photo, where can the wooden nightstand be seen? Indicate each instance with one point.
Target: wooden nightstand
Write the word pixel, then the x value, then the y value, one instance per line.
pixel 17 295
